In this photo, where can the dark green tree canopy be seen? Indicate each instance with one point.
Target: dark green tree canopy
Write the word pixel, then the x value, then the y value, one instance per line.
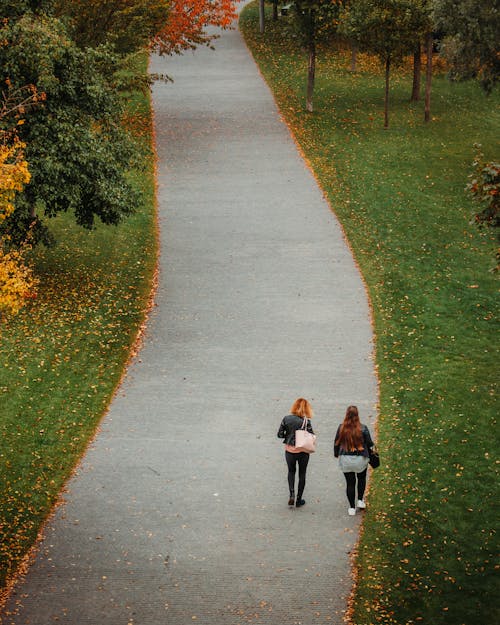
pixel 128 25
pixel 13 9
pixel 78 153
pixel 471 41
pixel 387 28
pixel 316 19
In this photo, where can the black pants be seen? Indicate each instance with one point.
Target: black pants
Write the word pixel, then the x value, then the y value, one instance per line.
pixel 350 479
pixel 292 460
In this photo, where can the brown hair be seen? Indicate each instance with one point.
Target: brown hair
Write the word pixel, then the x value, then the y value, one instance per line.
pixel 302 408
pixel 350 435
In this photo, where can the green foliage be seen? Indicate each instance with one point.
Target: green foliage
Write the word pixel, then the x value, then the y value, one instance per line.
pixel 128 25
pixel 485 190
pixel 13 9
pixel 77 149
pixel 471 43
pixel 387 28
pixel 313 19
pixel 427 551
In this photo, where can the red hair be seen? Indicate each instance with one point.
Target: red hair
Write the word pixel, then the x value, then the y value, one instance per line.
pixel 302 408
pixel 350 435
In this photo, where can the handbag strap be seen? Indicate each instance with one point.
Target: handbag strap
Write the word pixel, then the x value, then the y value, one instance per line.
pixel 304 425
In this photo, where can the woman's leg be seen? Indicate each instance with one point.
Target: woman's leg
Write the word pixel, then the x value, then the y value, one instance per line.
pixel 362 483
pixel 350 479
pixel 303 459
pixel 291 460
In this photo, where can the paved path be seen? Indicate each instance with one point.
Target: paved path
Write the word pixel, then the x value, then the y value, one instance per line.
pixel 178 512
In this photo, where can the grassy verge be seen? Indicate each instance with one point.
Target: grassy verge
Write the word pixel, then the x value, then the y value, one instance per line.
pixel 63 355
pixel 427 549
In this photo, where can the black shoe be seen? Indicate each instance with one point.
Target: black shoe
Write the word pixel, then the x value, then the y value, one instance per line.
pixel 300 502
pixel 291 501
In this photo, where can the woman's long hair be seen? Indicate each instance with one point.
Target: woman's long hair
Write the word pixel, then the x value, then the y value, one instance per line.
pixel 302 408
pixel 350 435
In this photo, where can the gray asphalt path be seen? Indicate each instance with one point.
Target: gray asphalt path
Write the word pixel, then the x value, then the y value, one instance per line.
pixel 178 513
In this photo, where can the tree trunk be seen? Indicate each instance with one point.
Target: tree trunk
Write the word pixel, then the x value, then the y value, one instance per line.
pixel 428 76
pixel 354 56
pixel 275 10
pixel 386 101
pixel 261 17
pixel 311 71
pixel 417 69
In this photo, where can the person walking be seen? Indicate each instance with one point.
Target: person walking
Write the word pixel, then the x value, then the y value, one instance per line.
pixel 300 410
pixel 351 446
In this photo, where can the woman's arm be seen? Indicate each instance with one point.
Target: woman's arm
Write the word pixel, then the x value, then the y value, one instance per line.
pixel 282 432
pixel 368 437
pixel 336 448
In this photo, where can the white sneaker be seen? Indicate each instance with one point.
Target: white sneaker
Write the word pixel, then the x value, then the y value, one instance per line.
pixel 351 511
pixel 361 504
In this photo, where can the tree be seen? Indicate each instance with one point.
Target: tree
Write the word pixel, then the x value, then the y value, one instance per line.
pixel 77 150
pixel 314 21
pixel 471 42
pixel 306 13
pixel 275 10
pixel 170 26
pixel 385 28
pixel 485 190
pixel 186 26
pixel 422 21
pixel 429 44
pixel 128 25
pixel 79 153
pixel 14 9
pixel 262 25
pixel 417 70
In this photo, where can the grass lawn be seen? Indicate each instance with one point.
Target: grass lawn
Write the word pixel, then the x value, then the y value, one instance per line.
pixel 63 355
pixel 427 550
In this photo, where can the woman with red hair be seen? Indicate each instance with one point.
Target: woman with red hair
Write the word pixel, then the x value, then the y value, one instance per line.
pixel 300 410
pixel 352 444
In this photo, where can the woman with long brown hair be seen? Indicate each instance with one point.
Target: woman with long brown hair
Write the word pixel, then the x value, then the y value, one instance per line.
pixel 352 444
pixel 300 410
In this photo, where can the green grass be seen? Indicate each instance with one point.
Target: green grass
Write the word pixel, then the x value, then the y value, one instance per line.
pixel 427 550
pixel 63 355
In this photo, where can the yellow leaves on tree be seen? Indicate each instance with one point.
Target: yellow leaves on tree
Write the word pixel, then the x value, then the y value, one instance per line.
pixel 14 175
pixel 17 281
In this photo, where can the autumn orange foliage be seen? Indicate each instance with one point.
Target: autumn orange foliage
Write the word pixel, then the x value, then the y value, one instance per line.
pixel 187 23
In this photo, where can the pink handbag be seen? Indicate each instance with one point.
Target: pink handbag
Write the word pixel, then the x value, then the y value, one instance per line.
pixel 304 440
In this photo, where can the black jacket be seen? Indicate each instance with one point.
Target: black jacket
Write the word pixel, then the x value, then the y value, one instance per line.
pixel 367 444
pixel 289 425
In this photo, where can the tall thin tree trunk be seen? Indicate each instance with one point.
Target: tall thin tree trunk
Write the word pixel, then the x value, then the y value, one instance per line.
pixel 311 69
pixel 386 101
pixel 354 56
pixel 428 76
pixel 261 17
pixel 417 70
pixel 275 10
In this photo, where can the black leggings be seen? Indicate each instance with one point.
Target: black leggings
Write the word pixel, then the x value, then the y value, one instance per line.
pixel 302 459
pixel 350 479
